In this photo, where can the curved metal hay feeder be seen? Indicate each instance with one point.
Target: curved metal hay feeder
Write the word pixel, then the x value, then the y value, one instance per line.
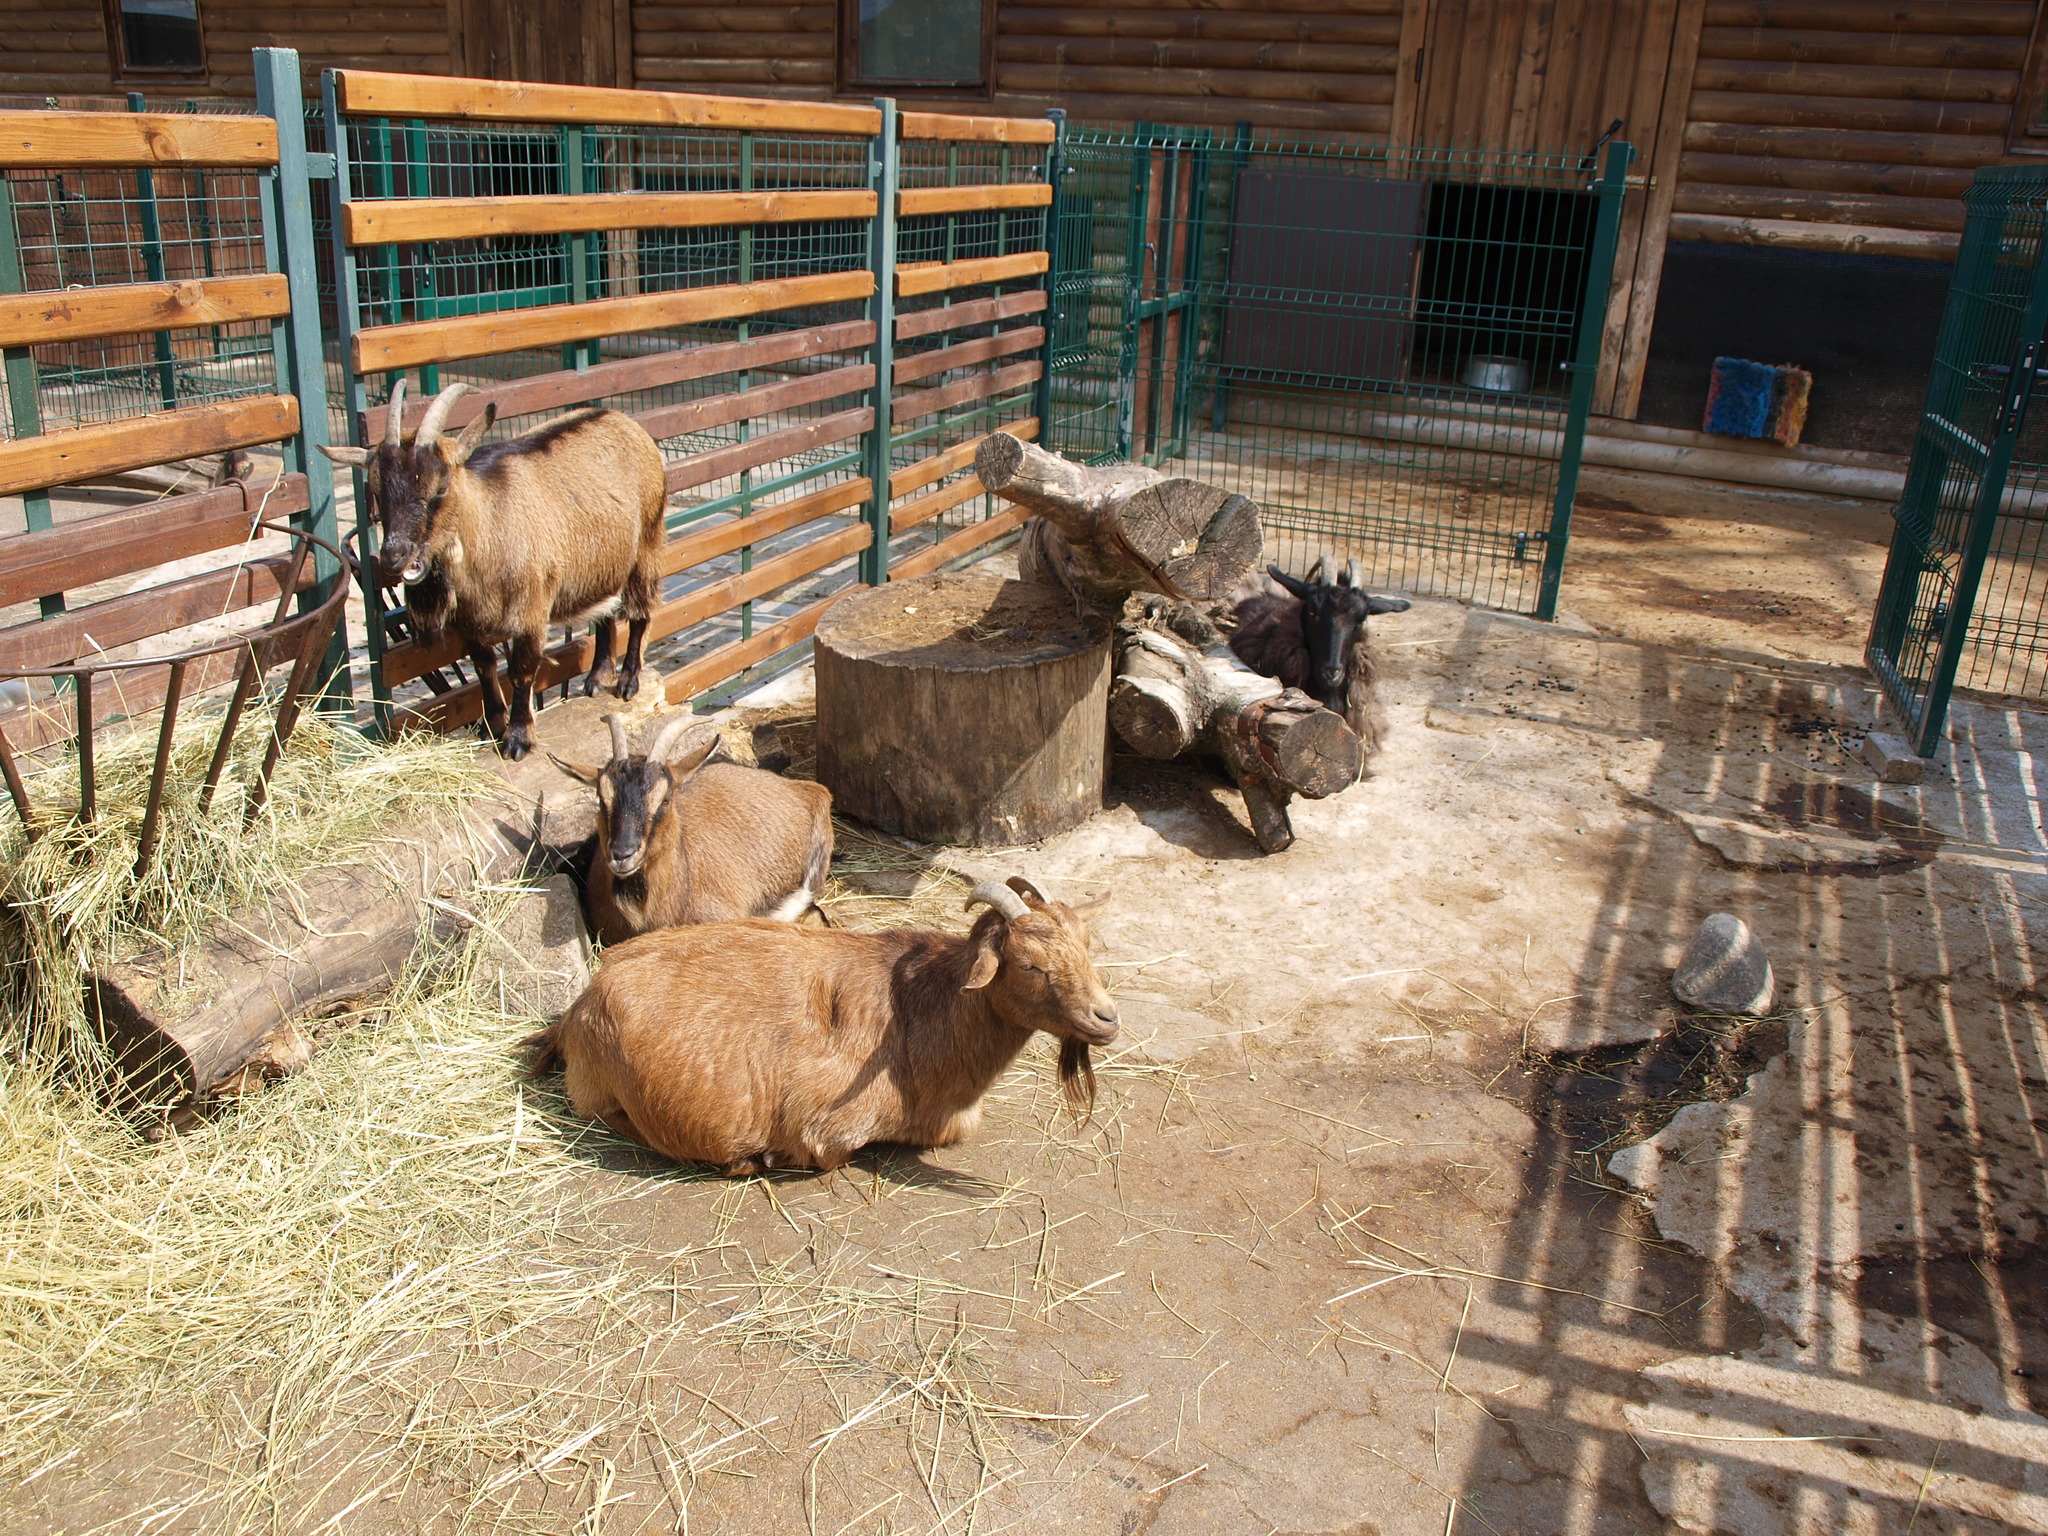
pixel 300 638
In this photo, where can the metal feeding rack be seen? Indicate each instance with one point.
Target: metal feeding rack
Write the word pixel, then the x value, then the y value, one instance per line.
pixel 301 638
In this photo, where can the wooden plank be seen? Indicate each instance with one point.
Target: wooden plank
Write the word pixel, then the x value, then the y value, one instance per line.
pixel 1822 207
pixel 1875 81
pixel 716 597
pixel 1286 26
pixel 953 317
pixel 929 402
pixel 1201 53
pixel 375 94
pixel 79 141
pixel 104 626
pixel 959 128
pixel 1828 175
pixel 1845 144
pixel 1238 84
pixel 734 18
pixel 397 220
pixel 1087 105
pixel 915 202
pixel 444 341
pixel 1797 110
pixel 569 387
pixel 704 468
pixel 1798 235
pixel 745 404
pixel 965 542
pixel 916 476
pixel 935 276
pixel 2008 18
pixel 911 366
pixel 117 309
pixel 708 672
pixel 709 543
pixel 924 508
pixel 1951 50
pixel 107 448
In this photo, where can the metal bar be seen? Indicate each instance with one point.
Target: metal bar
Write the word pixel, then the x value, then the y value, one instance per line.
pixel 24 387
pixel 1134 290
pixel 88 789
pixel 1054 174
pixel 289 241
pixel 745 505
pixel 1585 368
pixel 18 791
pixel 153 264
pixel 145 843
pixel 885 175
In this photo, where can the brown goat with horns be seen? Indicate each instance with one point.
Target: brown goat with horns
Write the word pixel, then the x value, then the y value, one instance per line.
pixel 496 542
pixel 762 1045
pixel 697 841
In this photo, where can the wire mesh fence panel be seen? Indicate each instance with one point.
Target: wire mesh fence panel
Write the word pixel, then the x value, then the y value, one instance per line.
pixel 1962 596
pixel 1383 347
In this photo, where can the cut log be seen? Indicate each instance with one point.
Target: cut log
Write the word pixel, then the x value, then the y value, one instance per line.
pixel 1104 533
pixel 1180 689
pixel 961 708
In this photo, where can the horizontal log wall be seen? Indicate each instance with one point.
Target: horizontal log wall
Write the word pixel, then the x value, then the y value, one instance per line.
pixel 1843 125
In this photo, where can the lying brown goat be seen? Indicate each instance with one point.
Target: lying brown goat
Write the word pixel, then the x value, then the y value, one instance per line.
pixel 761 1045
pixel 497 542
pixel 694 841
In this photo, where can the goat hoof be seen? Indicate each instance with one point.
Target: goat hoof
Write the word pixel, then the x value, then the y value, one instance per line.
pixel 629 684
pixel 517 744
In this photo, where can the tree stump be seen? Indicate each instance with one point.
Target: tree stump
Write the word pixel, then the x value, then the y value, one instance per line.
pixel 1181 689
pixel 1104 533
pixel 962 708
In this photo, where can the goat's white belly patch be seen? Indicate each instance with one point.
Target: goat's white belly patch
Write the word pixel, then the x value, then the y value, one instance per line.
pixel 602 610
pixel 791 907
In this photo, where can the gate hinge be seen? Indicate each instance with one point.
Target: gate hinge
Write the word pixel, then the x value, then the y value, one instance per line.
pixel 319 165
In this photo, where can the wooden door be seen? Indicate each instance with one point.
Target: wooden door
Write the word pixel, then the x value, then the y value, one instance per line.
pixel 559 42
pixel 1552 76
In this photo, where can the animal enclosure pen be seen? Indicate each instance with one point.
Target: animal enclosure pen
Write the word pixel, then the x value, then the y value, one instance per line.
pixel 1392 350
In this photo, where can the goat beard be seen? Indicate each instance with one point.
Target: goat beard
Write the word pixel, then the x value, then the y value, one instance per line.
pixel 1077 1079
pixel 429 602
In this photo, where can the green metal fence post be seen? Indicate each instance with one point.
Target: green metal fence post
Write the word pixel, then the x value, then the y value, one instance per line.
pixel 1054 162
pixel 1584 367
pixel 885 173
pixel 24 387
pixel 288 224
pixel 153 266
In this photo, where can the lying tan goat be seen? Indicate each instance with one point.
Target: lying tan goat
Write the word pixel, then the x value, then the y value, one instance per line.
pixel 761 1045
pixel 695 841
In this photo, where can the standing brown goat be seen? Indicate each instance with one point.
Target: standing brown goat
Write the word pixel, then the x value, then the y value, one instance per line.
pixel 498 542
pixel 693 841
pixel 761 1045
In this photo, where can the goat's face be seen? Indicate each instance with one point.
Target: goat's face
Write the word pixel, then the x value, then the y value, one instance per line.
pixel 1333 615
pixel 1033 954
pixel 633 795
pixel 408 480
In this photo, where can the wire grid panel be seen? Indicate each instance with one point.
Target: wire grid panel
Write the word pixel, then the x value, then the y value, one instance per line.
pixel 1372 343
pixel 2006 649
pixel 441 279
pixel 965 236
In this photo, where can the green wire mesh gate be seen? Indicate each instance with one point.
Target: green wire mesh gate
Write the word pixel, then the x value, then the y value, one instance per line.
pixel 1965 593
pixel 1392 351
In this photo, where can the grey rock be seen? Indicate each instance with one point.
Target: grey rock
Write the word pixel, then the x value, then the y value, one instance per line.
pixel 1893 757
pixel 1725 969
pixel 538 959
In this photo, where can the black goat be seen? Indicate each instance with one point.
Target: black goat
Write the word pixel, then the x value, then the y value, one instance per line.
pixel 1310 634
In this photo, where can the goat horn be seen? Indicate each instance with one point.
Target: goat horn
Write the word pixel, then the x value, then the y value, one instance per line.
pixel 1350 573
pixel 437 414
pixel 1024 887
pixel 394 417
pixel 1315 572
pixel 620 750
pixel 999 896
pixel 675 728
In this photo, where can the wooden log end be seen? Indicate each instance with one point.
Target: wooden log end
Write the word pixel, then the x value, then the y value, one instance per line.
pixel 1312 751
pixel 998 459
pixel 1153 716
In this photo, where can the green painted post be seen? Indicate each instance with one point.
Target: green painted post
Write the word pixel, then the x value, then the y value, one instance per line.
pixel 1055 161
pixel 1128 361
pixel 24 389
pixel 885 175
pixel 288 238
pixel 1584 368
pixel 153 266
pixel 745 274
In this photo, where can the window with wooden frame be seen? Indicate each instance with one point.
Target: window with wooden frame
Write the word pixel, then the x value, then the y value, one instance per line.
pixel 2027 133
pixel 909 45
pixel 155 39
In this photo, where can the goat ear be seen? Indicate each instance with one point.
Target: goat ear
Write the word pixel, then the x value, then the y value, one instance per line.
pixel 355 458
pixel 589 773
pixel 680 768
pixel 986 959
pixel 1378 604
pixel 1088 908
pixel 467 439
pixel 1293 584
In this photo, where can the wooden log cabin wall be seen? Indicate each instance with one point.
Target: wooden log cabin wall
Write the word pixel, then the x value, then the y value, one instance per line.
pixel 1772 134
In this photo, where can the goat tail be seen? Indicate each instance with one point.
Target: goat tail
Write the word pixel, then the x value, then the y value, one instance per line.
pixel 1077 1079
pixel 546 1049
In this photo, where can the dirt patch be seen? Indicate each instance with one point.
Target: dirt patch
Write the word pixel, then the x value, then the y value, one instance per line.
pixel 1984 1298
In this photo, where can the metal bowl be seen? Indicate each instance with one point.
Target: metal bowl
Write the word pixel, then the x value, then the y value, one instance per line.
pixel 1501 375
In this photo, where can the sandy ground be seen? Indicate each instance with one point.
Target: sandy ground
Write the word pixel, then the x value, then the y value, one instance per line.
pixel 1413 1204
